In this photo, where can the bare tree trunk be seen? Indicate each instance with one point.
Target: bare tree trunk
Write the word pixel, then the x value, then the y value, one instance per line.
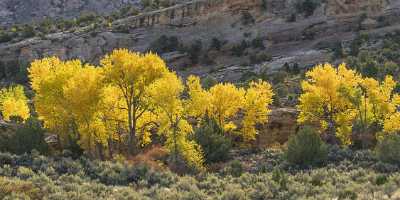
pixel 90 145
pixel 100 151
pixel 119 142
pixel 132 131
pixel 110 148
pixel 331 129
pixel 175 144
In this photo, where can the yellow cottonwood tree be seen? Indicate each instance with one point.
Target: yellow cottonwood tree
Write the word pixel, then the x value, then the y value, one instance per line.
pixel 221 102
pixel 224 101
pixel 14 103
pixel 200 100
pixel 377 103
pixel 48 77
pixel 325 100
pixel 392 120
pixel 136 95
pixel 83 92
pixel 172 120
pixel 133 74
pixel 257 99
pixel 392 124
pixel 379 98
pixel 113 117
pixel 68 99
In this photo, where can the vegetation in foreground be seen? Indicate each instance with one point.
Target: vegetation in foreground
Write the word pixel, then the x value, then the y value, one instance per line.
pixel 346 174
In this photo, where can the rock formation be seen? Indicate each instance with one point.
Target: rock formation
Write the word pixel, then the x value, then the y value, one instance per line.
pixel 27 11
pixel 286 41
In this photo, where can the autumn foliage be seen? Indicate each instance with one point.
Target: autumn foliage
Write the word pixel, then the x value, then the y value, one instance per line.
pixel 131 98
pixel 14 103
pixel 338 98
pixel 224 101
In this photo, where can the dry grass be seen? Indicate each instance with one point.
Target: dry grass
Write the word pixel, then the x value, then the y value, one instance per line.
pixel 154 157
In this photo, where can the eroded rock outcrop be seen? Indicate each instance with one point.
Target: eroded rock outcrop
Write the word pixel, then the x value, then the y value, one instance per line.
pixel 271 20
pixel 351 7
pixel 28 11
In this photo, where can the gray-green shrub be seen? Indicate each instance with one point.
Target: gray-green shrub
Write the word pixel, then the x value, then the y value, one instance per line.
pixel 210 136
pixel 306 148
pixel 388 149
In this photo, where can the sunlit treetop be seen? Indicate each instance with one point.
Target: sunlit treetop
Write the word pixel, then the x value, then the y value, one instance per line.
pixel 48 78
pixel 224 101
pixel 124 67
pixel 325 99
pixel 14 103
pixel 257 100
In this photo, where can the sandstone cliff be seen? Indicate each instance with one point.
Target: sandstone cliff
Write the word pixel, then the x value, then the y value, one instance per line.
pixel 289 36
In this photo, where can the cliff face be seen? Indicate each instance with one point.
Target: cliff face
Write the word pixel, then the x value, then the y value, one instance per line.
pixel 345 7
pixel 288 36
pixel 26 11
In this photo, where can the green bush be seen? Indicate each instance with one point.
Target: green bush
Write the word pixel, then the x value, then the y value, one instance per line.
pixel 337 49
pixel 66 24
pixel 260 57
pixel 258 43
pixel 397 88
pixel 26 138
pixel 235 168
pixel 194 51
pixel 150 4
pixel 126 11
pixel 86 18
pixel 356 45
pixel 27 31
pixel 388 149
pixel 165 44
pixel 29 137
pixel 307 7
pixel 306 148
pixel 5 37
pixel 210 136
pixel 208 82
pixel 216 44
pixel 278 77
pixel 381 179
pixel 46 26
pixel 239 49
pixel 281 90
